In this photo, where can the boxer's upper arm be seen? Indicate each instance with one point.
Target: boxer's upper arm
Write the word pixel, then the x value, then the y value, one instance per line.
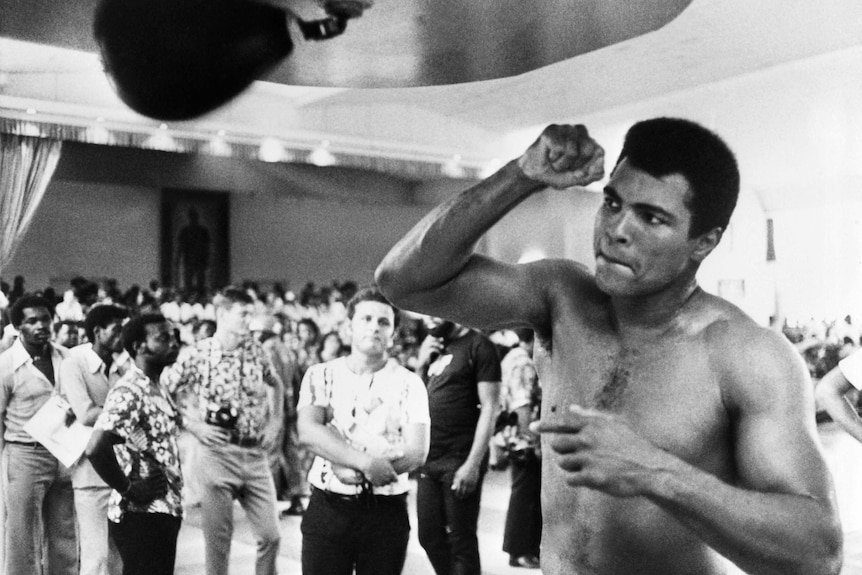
pixel 489 294
pixel 771 401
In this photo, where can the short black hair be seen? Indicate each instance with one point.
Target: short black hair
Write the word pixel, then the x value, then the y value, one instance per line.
pixel 135 330
pixel 665 146
pixel 100 316
pixel 371 293
pixel 16 312
pixel 525 334
pixel 312 325
pixel 232 295
pixel 69 322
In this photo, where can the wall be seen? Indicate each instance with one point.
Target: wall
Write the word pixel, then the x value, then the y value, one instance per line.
pixel 101 214
pixel 819 261
pixel 296 239
pixel 551 224
pixel 100 218
pixel 94 230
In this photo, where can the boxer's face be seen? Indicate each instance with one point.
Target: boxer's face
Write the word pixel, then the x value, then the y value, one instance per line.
pixel 641 238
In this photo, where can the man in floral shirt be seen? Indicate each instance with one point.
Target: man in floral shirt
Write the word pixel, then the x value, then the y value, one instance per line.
pixel 134 450
pixel 229 384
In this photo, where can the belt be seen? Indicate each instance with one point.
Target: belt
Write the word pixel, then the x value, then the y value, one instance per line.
pixel 26 443
pixel 333 497
pixel 244 441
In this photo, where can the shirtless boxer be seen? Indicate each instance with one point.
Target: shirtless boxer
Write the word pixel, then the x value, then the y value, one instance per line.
pixel 675 429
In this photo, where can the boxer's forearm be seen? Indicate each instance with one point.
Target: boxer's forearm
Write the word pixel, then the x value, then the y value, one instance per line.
pixel 441 244
pixel 763 533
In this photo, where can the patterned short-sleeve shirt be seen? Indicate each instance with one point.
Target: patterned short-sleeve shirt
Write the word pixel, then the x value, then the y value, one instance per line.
pixel 235 380
pixel 145 416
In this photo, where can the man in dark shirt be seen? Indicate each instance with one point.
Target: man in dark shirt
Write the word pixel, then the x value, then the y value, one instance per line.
pixel 461 369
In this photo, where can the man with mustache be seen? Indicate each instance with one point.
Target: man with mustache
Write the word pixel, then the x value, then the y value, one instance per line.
pixel 37 488
pixel 461 370
pixel 675 429
pixel 134 450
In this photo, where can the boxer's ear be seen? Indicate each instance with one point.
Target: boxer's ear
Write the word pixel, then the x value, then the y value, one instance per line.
pixel 705 243
pixel 179 59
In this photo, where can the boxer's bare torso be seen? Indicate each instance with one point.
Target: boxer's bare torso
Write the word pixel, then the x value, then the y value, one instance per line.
pixel 674 429
pixel 667 389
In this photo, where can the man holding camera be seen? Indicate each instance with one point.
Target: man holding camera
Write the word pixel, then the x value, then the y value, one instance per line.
pixel 235 415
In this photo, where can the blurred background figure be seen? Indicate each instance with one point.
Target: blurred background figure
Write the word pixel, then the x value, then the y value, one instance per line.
pixel 521 397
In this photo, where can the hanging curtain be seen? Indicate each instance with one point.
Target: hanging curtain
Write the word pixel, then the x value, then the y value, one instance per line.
pixel 26 166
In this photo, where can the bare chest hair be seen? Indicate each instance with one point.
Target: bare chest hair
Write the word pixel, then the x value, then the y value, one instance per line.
pixel 631 376
pixel 613 393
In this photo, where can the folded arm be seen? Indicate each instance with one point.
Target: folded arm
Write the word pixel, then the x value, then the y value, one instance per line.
pixel 100 452
pixel 74 388
pixel 328 443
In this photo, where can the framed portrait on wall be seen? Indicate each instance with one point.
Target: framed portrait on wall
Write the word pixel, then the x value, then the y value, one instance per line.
pixel 195 240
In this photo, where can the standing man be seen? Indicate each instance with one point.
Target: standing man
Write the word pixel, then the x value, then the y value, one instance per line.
pixel 66 333
pixel 237 419
pixel 675 428
pixel 37 488
pixel 134 450
pixel 461 370
pixel 366 419
pixel 522 397
pixel 87 376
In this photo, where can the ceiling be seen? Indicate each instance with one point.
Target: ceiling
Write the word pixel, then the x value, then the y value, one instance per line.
pixel 395 43
pixel 780 79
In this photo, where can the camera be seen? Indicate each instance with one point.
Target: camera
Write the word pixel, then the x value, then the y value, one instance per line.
pixel 224 416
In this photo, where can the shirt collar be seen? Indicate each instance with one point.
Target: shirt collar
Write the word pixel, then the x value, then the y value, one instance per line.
pixel 94 362
pixel 20 355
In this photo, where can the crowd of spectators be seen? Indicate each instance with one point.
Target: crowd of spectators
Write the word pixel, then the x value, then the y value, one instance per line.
pixel 304 328
pixel 312 322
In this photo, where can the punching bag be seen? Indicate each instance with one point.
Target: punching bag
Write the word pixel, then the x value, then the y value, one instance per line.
pixel 179 59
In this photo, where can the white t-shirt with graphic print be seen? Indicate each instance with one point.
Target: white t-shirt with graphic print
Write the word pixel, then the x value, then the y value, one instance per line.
pixel 370 410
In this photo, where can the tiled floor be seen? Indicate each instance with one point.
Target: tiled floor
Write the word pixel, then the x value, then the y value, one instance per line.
pixel 843 453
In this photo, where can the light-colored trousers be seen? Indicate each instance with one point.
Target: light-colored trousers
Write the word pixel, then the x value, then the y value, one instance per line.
pixel 40 513
pixel 99 555
pixel 231 472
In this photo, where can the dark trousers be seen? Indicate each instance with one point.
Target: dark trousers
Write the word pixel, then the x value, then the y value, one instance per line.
pixel 147 542
pixel 368 533
pixel 447 523
pixel 523 532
